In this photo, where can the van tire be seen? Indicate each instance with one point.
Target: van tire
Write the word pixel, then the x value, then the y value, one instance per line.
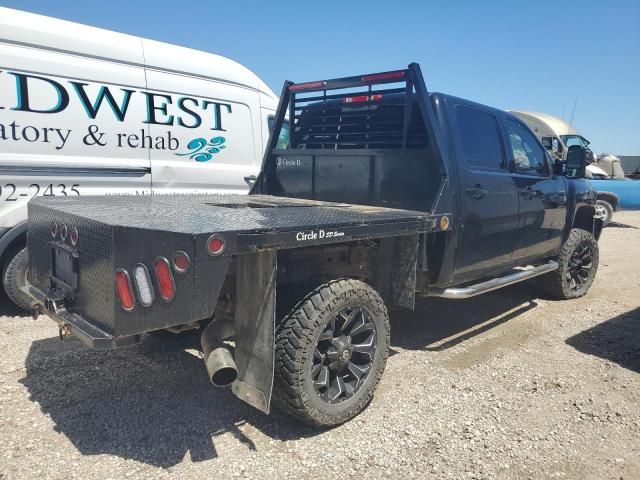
pixel 14 276
pixel 357 311
pixel 560 284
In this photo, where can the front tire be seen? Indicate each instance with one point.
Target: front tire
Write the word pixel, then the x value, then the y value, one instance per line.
pixel 14 277
pixel 331 350
pixel 578 264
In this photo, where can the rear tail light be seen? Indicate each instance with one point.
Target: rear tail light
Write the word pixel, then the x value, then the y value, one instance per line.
pixel 181 262
pixel 362 98
pixel 123 289
pixel 166 285
pixel 54 229
pixel 74 236
pixel 64 231
pixel 215 244
pixel 143 284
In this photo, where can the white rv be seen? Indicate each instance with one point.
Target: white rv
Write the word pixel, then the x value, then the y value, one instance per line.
pixel 86 111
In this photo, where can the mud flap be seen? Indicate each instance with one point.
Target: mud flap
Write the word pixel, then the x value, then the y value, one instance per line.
pixel 255 328
pixel 396 276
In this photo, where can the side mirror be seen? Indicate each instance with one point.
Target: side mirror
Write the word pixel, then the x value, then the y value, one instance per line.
pixel 576 165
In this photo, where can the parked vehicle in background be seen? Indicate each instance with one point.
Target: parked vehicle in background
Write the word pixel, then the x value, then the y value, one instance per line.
pixel 381 191
pixel 557 136
pixel 86 111
pixel 626 191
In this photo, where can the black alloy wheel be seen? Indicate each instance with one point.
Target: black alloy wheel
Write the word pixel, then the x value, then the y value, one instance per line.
pixel 343 356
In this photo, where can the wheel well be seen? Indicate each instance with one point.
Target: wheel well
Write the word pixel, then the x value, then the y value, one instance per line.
pixel 584 219
pixel 328 262
pixel 14 245
pixel 609 197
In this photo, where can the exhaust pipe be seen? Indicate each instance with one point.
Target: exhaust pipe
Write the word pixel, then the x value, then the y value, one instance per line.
pixel 221 367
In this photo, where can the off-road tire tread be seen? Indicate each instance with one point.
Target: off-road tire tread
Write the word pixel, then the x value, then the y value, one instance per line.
pixel 553 284
pixel 296 333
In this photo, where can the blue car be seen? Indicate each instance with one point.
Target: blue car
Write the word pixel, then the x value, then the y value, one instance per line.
pixel 628 191
pixel 616 194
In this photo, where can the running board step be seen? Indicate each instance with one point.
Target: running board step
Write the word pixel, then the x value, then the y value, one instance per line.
pixel 495 283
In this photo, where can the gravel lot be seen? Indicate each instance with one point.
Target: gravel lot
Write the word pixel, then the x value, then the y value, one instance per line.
pixel 509 385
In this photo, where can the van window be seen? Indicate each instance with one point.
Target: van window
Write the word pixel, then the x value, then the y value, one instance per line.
pixel 480 138
pixel 528 155
pixel 283 137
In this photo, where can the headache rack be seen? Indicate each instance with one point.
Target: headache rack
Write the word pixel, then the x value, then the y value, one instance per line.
pixel 372 111
pixel 370 139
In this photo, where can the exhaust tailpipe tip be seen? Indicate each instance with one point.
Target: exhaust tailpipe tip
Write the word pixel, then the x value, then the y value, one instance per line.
pixel 221 367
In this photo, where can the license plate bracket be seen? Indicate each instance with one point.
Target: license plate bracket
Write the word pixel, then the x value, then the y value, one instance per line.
pixel 64 267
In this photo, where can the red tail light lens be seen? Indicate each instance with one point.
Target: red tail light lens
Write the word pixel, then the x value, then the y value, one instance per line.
pixel 123 289
pixel 64 231
pixel 181 262
pixel 166 285
pixel 54 229
pixel 215 244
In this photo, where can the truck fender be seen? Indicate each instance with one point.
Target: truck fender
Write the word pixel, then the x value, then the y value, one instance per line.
pixel 584 219
pixel 610 197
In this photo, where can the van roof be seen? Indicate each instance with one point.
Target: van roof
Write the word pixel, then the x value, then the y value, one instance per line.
pixel 29 29
pixel 544 124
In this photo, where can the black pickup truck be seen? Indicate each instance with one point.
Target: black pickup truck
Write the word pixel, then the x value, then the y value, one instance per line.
pixel 377 192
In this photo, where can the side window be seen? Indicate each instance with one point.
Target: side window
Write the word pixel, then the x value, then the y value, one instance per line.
pixel 283 138
pixel 480 138
pixel 528 155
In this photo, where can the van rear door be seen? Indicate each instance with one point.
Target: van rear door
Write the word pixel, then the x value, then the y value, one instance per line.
pixel 210 128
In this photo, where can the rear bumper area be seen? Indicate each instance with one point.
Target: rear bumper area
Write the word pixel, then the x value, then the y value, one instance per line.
pixel 73 324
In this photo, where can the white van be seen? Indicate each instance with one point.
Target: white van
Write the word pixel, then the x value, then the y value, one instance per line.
pixel 86 111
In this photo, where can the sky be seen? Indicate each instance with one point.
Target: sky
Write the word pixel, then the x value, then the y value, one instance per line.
pixel 539 55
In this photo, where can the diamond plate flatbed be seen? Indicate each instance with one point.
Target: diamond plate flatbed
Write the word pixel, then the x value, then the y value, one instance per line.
pixel 259 221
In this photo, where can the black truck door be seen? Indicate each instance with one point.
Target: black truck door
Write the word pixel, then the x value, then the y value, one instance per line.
pixel 542 198
pixel 488 219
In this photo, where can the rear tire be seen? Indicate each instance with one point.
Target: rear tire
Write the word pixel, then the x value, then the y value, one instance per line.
pixel 578 264
pixel 331 350
pixel 14 277
pixel 607 210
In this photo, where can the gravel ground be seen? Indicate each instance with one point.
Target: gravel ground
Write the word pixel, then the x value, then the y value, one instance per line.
pixel 508 385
